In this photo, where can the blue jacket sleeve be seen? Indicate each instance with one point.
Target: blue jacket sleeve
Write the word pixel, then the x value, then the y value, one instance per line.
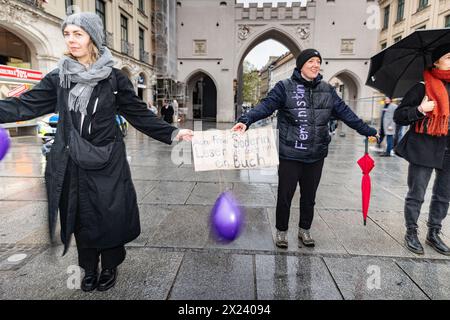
pixel 343 112
pixel 267 106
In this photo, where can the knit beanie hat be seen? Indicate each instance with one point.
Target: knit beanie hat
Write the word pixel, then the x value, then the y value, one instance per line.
pixel 305 55
pixel 89 22
pixel 440 51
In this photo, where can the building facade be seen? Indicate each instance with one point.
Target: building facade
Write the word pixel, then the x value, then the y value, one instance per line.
pixel 31 37
pixel 282 69
pixel 399 18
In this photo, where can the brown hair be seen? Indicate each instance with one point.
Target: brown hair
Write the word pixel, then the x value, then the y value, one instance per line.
pixel 94 53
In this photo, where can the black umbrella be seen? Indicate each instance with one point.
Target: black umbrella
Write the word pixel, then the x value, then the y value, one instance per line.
pixel 396 69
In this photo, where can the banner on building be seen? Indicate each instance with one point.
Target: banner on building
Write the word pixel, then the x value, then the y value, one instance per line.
pixel 228 150
pixel 17 91
pixel 20 74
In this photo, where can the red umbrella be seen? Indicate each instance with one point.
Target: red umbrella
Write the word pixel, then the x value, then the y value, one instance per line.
pixel 367 164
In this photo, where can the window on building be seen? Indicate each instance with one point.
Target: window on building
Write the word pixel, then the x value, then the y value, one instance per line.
pixel 200 48
pixel 397 39
pixel 141 5
pixel 447 22
pixel 100 11
pixel 400 10
pixel 141 40
pixel 422 4
pixel 422 27
pixel 386 17
pixel 69 7
pixel 347 46
pixel 383 45
pixel 124 28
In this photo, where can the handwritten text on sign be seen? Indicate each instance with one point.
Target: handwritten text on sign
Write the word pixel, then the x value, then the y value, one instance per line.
pixel 228 150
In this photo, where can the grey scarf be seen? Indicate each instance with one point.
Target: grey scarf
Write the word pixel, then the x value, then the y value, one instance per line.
pixel 71 70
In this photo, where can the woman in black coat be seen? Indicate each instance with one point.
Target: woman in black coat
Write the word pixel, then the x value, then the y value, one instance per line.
pixel 426 147
pixel 96 200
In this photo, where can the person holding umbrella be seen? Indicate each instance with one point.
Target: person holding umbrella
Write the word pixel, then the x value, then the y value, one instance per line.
pixel 87 176
pixel 305 105
pixel 426 146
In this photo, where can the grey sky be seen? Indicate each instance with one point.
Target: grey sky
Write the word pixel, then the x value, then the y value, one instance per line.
pixel 261 53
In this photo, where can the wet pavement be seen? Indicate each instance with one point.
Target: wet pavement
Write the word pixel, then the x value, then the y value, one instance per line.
pixel 176 257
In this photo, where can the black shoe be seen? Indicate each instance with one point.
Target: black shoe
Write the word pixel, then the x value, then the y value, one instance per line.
pixel 412 241
pixel 436 242
pixel 107 279
pixel 385 155
pixel 90 281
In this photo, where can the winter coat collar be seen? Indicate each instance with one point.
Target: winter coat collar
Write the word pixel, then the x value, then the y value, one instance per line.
pixel 296 76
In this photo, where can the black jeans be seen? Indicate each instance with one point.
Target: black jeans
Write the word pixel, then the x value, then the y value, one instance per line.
pixel 418 178
pixel 88 258
pixel 307 175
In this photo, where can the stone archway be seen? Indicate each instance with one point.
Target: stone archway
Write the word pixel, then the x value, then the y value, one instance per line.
pixel 347 84
pixel 272 33
pixel 201 91
pixel 347 87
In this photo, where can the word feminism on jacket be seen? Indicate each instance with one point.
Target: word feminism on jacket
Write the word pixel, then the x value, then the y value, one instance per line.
pixel 228 150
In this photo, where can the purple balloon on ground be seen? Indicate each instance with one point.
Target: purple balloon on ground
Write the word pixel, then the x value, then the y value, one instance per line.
pixel 226 217
pixel 4 142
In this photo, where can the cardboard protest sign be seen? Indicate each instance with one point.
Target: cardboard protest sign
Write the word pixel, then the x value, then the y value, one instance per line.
pixel 228 150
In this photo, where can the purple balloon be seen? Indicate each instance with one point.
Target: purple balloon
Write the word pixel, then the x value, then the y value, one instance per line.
pixel 4 142
pixel 226 217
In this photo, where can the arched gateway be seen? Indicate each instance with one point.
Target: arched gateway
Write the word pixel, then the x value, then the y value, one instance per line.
pixel 216 36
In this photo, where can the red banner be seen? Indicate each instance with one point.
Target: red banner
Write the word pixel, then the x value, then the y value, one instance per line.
pixel 17 73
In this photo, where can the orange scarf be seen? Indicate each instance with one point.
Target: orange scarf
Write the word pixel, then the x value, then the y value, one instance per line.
pixel 436 121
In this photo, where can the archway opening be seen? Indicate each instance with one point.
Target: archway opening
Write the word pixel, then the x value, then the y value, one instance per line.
pixel 268 59
pixel 347 89
pixel 13 50
pixel 202 93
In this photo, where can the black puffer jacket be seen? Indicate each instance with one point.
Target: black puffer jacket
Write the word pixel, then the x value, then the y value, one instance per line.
pixel 304 110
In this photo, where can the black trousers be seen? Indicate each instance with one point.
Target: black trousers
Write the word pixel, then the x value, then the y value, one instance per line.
pixel 89 258
pixel 307 175
pixel 418 179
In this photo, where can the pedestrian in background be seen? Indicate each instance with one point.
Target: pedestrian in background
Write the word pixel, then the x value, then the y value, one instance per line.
pixel 388 125
pixel 167 112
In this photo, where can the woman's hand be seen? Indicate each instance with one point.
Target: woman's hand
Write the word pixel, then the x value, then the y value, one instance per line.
pixel 376 138
pixel 426 105
pixel 184 134
pixel 240 127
